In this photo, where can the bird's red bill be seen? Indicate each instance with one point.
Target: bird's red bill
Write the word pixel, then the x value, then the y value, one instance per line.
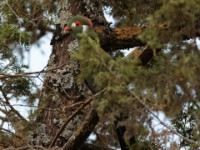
pixel 67 29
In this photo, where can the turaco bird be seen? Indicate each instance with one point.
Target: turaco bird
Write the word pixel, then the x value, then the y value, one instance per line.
pixel 89 47
pixel 81 25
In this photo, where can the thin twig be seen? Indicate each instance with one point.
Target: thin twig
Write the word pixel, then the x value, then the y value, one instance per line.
pixel 11 107
pixel 22 105
pixel 27 74
pixel 11 9
pixel 72 116
pixel 3 111
pixel 27 148
pixel 75 104
pixel 3 119
pixel 22 12
pixel 163 123
pixel 33 106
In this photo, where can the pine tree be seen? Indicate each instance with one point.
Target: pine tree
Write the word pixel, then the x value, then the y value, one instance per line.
pixel 159 76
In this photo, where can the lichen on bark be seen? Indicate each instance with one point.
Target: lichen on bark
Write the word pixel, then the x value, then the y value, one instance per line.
pixel 62 86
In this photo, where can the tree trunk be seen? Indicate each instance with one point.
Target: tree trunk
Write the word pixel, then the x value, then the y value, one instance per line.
pixel 59 122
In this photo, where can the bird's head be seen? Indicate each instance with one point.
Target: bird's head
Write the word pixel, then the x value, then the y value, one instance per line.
pixel 78 24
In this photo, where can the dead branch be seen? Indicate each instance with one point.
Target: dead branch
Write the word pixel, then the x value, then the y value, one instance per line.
pixel 28 74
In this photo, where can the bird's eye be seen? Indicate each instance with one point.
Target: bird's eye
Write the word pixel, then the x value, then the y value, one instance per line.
pixel 77 23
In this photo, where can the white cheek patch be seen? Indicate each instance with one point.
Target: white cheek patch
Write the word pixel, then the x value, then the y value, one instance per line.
pixel 85 28
pixel 73 25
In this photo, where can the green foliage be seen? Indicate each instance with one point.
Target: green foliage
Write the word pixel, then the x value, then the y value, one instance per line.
pixel 106 73
pixel 130 12
pixel 24 22
pixel 10 38
pixel 187 122
pixel 10 33
pixel 171 81
pixel 21 23
pixel 16 87
pixel 179 20
pixel 169 84
pixel 94 54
